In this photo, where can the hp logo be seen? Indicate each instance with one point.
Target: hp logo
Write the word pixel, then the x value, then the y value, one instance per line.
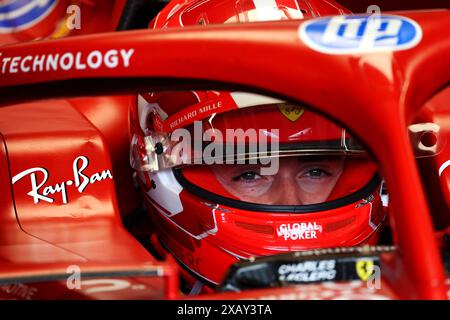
pixel 19 14
pixel 360 34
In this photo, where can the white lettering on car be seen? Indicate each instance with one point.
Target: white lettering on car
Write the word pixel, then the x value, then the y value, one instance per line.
pixel 40 192
pixel 308 271
pixel 66 61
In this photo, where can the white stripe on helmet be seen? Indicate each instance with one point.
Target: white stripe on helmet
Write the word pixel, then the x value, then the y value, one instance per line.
pixel 245 100
pixel 167 192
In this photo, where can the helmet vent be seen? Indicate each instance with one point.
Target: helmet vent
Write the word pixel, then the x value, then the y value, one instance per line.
pixel 255 227
pixel 330 227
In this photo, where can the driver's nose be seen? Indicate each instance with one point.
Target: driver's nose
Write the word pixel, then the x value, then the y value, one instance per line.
pixel 287 189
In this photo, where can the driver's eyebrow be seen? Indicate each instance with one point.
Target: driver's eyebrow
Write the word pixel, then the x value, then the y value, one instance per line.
pixel 245 166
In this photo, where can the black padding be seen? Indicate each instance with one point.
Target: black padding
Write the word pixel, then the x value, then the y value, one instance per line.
pixel 138 13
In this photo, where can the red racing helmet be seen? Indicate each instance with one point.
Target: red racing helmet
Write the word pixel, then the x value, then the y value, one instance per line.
pixel 227 176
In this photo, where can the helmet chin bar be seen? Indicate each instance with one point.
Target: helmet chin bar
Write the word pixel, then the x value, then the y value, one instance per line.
pixel 191 272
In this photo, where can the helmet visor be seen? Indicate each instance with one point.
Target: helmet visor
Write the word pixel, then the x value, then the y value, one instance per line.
pixel 254 135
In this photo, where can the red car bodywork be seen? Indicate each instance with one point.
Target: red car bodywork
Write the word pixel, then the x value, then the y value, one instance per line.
pixel 81 221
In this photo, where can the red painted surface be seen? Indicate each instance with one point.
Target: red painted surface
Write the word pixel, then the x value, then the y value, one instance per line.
pixel 110 116
pixel 375 95
pixel 50 235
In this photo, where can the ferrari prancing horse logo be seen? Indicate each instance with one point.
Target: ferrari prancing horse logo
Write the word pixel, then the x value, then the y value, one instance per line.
pixel 291 112
pixel 364 269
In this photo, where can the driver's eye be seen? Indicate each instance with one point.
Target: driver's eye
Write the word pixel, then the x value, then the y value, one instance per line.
pixel 316 173
pixel 248 176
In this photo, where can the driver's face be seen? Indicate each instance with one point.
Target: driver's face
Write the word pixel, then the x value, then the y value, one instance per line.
pixel 299 180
